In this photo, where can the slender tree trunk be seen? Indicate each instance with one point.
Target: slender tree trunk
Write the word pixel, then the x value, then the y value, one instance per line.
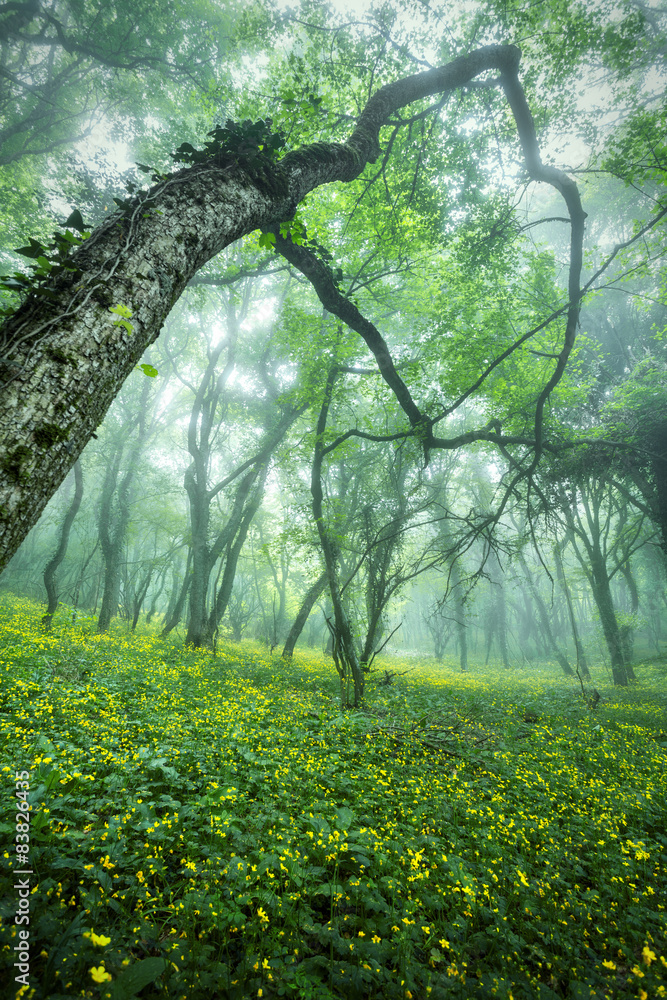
pixel 460 615
pixel 582 664
pixel 627 631
pixel 201 561
pixel 139 596
pixel 344 650
pixel 174 615
pixel 59 554
pixel 310 597
pixel 157 593
pixel 544 621
pixel 221 599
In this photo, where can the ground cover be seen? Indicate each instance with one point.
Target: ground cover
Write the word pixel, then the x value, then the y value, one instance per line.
pixel 206 827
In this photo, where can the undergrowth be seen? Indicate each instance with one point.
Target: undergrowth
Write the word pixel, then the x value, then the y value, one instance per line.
pixel 216 827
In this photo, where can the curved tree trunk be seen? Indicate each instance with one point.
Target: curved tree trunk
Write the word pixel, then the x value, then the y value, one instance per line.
pixel 59 554
pixel 221 599
pixel 311 595
pixel 177 600
pixel 114 515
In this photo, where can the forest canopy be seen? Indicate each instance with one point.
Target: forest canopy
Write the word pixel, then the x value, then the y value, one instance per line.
pixel 330 313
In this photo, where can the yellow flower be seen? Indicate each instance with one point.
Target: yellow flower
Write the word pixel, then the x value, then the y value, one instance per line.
pixel 522 877
pixel 100 975
pixel 375 939
pixel 426 930
pixel 262 915
pixel 443 943
pixel 648 955
pixel 99 939
pixel 609 965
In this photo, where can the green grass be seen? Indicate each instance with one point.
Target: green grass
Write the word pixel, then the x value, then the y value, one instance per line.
pixel 217 828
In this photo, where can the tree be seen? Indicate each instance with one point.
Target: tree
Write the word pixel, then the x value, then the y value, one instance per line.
pixel 59 554
pixel 114 510
pixel 603 537
pixel 65 355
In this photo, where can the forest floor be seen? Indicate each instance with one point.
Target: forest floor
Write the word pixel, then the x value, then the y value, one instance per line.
pixel 215 827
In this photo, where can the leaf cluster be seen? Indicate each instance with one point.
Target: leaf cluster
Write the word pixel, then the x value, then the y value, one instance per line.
pixel 50 260
pixel 250 144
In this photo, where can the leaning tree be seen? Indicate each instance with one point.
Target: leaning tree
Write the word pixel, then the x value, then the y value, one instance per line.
pixel 68 348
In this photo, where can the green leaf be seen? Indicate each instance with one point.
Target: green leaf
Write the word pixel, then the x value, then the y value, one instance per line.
pixel 75 221
pixel 136 977
pixel 121 310
pixel 36 249
pixel 148 370
pixel 267 240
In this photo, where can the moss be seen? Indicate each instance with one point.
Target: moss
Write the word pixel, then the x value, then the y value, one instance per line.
pixel 102 294
pixel 61 357
pixel 13 462
pixel 49 434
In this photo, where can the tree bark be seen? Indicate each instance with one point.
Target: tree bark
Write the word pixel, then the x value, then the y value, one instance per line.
pixel 605 605
pixel 460 619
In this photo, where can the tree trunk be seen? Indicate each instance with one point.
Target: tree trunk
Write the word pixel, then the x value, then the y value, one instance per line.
pixel 201 557
pixel 627 630
pixel 582 665
pixel 175 613
pixel 460 615
pixel 544 620
pixel 343 647
pixel 602 594
pixel 59 554
pixel 311 595
pixel 157 593
pixel 139 596
pixel 234 546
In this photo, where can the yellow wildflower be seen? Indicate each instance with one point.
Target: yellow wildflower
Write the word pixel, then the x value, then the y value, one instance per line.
pixel 99 974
